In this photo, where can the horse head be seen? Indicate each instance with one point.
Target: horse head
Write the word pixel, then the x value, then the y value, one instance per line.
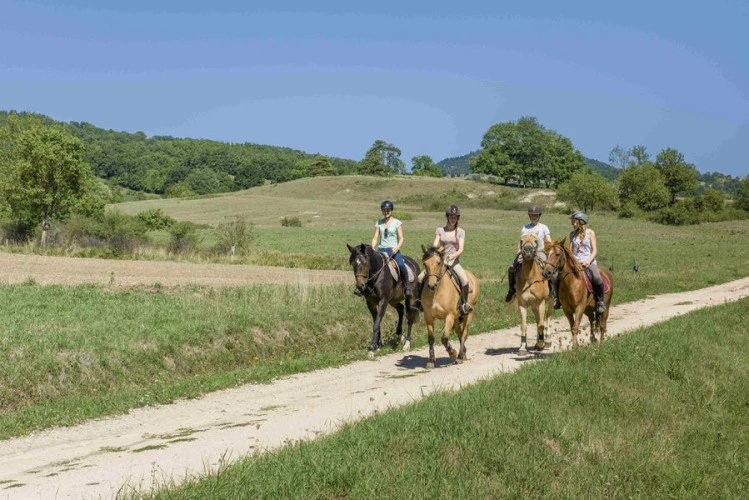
pixel 528 247
pixel 433 260
pixel 359 260
pixel 558 258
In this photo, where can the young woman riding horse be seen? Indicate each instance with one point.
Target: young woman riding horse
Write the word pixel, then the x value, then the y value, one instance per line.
pixel 573 291
pixel 533 293
pixel 441 299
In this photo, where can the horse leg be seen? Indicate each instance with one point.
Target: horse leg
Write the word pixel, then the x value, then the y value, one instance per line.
pixel 594 319
pixel 376 335
pixel 412 316
pixel 430 336
pixel 449 320
pixel 399 328
pixel 523 329
pixel 462 335
pixel 540 326
pixel 576 327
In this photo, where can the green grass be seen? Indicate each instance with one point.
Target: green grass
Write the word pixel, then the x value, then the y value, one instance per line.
pixel 660 412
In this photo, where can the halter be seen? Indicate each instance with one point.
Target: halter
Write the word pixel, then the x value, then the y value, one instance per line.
pixel 442 271
pixel 559 266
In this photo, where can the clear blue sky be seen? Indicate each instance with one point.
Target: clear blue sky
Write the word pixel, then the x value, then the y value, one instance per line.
pixel 430 77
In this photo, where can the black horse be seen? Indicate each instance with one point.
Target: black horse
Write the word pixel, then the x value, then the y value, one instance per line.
pixel 378 287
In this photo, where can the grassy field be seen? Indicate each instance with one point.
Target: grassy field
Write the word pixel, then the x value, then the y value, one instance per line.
pixel 86 351
pixel 658 413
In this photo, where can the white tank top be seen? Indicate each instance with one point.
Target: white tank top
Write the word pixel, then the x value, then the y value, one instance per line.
pixel 582 249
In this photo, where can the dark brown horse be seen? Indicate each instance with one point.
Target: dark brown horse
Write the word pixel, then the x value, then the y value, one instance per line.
pixel 440 298
pixel 380 289
pixel 573 292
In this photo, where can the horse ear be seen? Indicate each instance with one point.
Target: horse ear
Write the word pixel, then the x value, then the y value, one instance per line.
pixel 423 249
pixel 563 241
pixel 349 247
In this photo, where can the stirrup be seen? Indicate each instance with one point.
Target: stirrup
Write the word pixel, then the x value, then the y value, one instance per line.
pixel 510 295
pixel 466 308
pixel 416 305
pixel 601 307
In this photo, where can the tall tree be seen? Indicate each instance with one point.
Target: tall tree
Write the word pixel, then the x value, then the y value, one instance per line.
pixel 382 159
pixel 677 173
pixel 44 176
pixel 587 190
pixel 644 186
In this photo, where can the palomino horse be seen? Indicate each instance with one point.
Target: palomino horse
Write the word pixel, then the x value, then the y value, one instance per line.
pixel 439 300
pixel 532 291
pixel 379 288
pixel 573 293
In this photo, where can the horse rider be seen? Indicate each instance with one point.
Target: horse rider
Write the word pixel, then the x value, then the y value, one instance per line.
pixel 585 249
pixel 388 239
pixel 452 239
pixel 542 233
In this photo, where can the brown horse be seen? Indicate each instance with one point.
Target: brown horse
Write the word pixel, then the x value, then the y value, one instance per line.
pixel 532 292
pixel 440 298
pixel 573 293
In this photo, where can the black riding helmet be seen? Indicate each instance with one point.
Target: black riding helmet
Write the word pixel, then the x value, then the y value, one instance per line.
pixel 452 210
pixel 387 204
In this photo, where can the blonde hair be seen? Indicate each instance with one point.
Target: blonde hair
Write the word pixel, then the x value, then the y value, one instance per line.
pixel 581 230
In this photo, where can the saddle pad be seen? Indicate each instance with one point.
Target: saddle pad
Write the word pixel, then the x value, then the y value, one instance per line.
pixel 456 282
pixel 589 284
pixel 394 271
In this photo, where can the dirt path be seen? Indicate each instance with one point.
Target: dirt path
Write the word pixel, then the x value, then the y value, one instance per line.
pixel 153 445
pixel 17 268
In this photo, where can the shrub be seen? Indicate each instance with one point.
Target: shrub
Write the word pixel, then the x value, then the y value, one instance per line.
pixel 291 222
pixel 235 236
pixel 628 210
pixel 155 219
pixel 678 214
pixel 184 238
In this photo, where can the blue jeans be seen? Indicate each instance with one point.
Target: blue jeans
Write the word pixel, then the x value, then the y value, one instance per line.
pixel 398 258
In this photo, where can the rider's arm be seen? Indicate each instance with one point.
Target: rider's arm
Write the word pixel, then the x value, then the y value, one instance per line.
pixel 376 238
pixel 436 242
pixel 547 239
pixel 400 240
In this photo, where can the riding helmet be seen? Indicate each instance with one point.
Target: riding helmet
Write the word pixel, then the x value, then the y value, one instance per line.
pixel 387 204
pixel 453 210
pixel 581 216
pixel 534 210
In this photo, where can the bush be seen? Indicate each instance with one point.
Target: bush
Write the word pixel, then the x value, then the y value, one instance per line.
pixel 155 219
pixel 235 237
pixel 628 210
pixel 678 214
pixel 291 222
pixel 184 238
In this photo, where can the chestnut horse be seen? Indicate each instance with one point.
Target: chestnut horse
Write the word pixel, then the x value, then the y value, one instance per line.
pixel 440 298
pixel 532 292
pixel 380 289
pixel 573 293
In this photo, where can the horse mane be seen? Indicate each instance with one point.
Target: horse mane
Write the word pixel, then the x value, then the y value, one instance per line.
pixel 570 259
pixel 430 252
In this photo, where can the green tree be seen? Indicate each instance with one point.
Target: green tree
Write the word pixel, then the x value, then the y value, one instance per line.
pixel 321 166
pixel 644 186
pixel 587 190
pixel 713 200
pixel 742 199
pixel 678 175
pixel 424 166
pixel 526 153
pixel 382 159
pixel 44 175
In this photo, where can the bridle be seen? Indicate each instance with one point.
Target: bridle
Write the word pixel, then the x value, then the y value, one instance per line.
pixel 440 274
pixel 558 267
pixel 373 277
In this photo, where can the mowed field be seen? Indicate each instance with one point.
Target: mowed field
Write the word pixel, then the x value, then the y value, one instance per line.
pixel 145 332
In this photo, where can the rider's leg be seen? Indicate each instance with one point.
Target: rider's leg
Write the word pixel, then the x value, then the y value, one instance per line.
pixel 404 274
pixel 464 307
pixel 598 288
pixel 420 280
pixel 511 273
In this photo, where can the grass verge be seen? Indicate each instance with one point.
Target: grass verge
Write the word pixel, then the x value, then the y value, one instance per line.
pixel 657 413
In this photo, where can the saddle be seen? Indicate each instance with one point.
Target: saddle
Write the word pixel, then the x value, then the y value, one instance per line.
pixel 589 281
pixel 456 281
pixel 395 271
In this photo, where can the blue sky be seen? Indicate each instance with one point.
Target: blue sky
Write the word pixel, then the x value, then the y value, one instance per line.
pixel 430 77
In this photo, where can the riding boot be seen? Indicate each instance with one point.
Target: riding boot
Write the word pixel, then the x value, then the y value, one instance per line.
pixel 465 307
pixel 511 283
pixel 554 289
pixel 598 293
pixel 416 304
pixel 406 286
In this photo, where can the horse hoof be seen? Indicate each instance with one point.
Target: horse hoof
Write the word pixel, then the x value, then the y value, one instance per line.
pixel 407 345
pixel 370 354
pixel 430 365
pixel 540 345
pixel 453 353
pixel 523 350
pixel 459 361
